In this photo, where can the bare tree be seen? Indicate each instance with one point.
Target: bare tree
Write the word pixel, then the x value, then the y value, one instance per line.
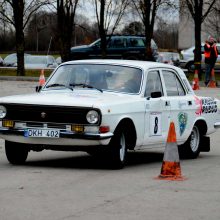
pixel 134 28
pixel 108 15
pixel 212 24
pixel 18 13
pixel 41 28
pixel 166 34
pixel 147 11
pixel 198 9
pixel 66 10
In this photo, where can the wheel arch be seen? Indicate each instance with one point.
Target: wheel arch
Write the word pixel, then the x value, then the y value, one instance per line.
pixel 130 131
pixel 202 126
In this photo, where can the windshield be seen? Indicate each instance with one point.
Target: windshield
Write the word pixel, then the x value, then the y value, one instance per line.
pixel 99 76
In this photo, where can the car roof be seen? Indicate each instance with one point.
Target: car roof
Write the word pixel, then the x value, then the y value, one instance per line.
pixel 131 63
pixel 127 36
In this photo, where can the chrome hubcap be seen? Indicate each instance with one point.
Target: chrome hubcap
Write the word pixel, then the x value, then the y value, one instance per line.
pixel 194 143
pixel 122 148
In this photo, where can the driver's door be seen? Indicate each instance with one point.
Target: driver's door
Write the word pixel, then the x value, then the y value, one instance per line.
pixel 157 111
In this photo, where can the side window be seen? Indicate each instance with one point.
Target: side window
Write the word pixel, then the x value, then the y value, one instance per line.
pixel 97 44
pixel 50 60
pixel 172 83
pixel 137 42
pixel 153 83
pixel 117 43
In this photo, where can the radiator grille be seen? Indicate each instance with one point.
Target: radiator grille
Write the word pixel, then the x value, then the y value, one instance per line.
pixel 48 114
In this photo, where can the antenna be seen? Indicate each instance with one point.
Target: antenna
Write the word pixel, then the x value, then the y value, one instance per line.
pixel 49 46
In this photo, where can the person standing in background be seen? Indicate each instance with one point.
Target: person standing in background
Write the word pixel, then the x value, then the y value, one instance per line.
pixel 211 54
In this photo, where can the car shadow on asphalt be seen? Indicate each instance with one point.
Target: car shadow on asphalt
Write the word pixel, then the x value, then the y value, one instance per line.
pixel 85 161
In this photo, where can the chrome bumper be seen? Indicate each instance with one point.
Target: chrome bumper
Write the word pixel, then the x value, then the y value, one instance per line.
pixel 217 125
pixel 63 134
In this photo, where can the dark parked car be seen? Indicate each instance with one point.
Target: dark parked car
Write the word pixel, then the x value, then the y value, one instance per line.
pixel 118 47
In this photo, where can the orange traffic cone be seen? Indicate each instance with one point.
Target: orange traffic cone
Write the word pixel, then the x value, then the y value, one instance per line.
pixel 212 83
pixel 42 78
pixel 195 85
pixel 170 169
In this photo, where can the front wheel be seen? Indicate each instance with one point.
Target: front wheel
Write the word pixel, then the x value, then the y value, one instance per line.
pixel 191 148
pixel 118 146
pixel 16 153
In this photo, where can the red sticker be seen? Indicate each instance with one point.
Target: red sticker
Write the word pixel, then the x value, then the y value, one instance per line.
pixel 199 105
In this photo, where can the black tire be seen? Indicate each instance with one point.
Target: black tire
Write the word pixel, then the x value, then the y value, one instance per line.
pixel 16 153
pixel 191 67
pixel 191 148
pixel 118 148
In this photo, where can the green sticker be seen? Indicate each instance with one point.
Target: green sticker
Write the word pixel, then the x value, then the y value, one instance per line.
pixel 182 119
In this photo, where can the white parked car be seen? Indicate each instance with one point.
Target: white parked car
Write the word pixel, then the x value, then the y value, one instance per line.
pixel 187 61
pixel 39 62
pixel 108 106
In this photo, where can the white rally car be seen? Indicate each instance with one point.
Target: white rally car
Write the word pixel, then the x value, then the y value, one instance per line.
pixel 108 106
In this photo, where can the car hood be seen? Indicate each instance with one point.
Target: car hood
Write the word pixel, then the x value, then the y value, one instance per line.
pixel 82 47
pixel 74 98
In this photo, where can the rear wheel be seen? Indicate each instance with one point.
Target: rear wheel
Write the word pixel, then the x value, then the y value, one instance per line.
pixel 191 67
pixel 16 153
pixel 191 148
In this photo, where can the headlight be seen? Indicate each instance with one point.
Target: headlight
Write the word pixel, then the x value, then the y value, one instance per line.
pixel 3 111
pixel 92 117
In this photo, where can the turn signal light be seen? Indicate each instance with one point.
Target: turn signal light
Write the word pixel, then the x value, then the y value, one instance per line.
pixel 77 128
pixel 8 123
pixel 104 129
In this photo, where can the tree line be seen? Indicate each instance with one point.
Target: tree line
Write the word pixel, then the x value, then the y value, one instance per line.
pixel 58 24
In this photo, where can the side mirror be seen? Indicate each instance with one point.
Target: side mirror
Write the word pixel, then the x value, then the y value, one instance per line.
pixel 157 94
pixel 38 88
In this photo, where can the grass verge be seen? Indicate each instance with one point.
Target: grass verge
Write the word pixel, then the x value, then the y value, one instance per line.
pixel 29 72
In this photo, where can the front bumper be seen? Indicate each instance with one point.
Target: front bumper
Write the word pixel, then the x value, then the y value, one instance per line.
pixel 66 138
pixel 217 125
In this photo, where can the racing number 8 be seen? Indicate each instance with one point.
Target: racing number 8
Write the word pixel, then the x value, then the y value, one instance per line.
pixel 155 125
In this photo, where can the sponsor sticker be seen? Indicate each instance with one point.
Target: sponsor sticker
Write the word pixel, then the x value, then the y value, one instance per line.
pixel 182 119
pixel 209 105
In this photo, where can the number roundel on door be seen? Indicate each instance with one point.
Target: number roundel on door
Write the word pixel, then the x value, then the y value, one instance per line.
pixel 155 123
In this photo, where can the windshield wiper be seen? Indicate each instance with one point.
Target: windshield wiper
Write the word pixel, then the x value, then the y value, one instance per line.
pixel 58 85
pixel 83 85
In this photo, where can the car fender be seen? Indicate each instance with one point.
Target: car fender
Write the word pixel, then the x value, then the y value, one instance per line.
pixel 135 119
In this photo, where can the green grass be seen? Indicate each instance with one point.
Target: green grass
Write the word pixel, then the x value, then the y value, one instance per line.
pixel 3 55
pixel 30 73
